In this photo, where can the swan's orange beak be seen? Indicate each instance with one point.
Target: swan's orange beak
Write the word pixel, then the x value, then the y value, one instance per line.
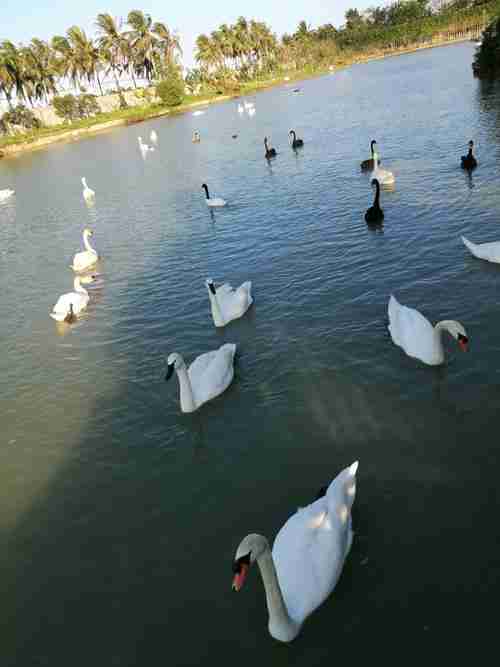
pixel 239 577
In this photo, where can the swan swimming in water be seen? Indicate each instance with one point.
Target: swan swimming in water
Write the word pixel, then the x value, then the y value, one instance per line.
pixel 383 176
pixel 6 194
pixel 369 164
pixel 296 143
pixel 468 161
pixel 88 193
pixel 153 137
pixel 228 304
pixel 213 202
pixel 307 558
pixel 375 214
pixel 487 251
pixel 241 108
pixel 71 304
pixel 144 147
pixel 270 152
pixel 208 376
pixel 84 260
pixel 413 332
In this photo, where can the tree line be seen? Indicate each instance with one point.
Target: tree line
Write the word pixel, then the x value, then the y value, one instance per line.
pixel 136 47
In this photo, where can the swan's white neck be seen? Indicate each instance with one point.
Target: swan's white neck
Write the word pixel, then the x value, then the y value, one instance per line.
pixel 281 626
pixel 438 329
pixel 87 245
pixel 187 398
pixel 79 288
pixel 216 310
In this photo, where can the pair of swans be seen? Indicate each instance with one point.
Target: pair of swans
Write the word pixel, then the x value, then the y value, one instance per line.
pixel 86 259
pixel 413 332
pixel 213 202
pixel 6 194
pixel 88 193
pixel 307 557
pixel 71 304
pixel 211 373
pixel 468 161
pixel 383 176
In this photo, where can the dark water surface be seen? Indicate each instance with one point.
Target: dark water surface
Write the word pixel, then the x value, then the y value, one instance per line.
pixel 119 515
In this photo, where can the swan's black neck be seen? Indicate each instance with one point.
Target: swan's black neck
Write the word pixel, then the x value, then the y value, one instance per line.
pixel 371 147
pixel 469 154
pixel 292 132
pixel 206 191
pixel 376 201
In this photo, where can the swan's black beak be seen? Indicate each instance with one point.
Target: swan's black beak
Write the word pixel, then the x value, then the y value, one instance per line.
pixel 211 287
pixel 463 341
pixel 170 372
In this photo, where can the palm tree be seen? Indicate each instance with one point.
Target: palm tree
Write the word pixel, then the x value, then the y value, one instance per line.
pixel 11 75
pixel 143 42
pixel 167 45
pixel 86 54
pixel 113 45
pixel 38 70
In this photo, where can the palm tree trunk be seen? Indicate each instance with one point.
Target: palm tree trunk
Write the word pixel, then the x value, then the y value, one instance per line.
pixel 99 84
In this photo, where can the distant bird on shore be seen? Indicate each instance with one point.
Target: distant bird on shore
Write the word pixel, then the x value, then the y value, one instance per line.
pixel 296 143
pixel 375 214
pixel 468 161
pixel 368 165
pixel 88 193
pixel 213 202
pixel 6 194
pixel 270 152
pixel 198 113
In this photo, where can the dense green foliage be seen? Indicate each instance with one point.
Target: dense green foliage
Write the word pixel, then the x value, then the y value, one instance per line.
pixel 72 108
pixel 20 117
pixel 171 89
pixel 487 60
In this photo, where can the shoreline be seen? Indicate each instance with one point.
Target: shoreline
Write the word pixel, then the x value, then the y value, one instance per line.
pixel 63 135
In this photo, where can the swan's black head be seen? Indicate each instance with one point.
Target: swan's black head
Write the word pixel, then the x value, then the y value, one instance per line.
pixel 240 570
pixel 372 143
pixel 205 187
pixel 471 144
pixel 211 286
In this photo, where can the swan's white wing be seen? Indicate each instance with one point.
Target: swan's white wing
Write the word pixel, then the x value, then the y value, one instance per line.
pixel 211 373
pixel 413 332
pixel 78 301
pixel 84 259
pixel 488 251
pixel 234 303
pixel 310 550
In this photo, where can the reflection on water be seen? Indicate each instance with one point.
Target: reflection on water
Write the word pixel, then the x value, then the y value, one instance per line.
pixel 119 514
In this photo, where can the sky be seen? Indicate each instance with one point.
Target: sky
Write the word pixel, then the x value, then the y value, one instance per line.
pixel 24 19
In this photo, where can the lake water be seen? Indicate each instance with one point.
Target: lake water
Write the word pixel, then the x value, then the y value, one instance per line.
pixel 120 515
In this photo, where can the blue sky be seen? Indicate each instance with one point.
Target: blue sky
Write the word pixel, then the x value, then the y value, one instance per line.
pixel 24 19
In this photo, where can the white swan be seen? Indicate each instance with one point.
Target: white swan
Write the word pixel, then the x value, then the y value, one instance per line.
pixel 307 557
pixel 248 105
pixel 6 194
pixel 488 251
pixel 241 108
pixel 71 304
pixel 84 260
pixel 383 176
pixel 213 202
pixel 228 304
pixel 154 137
pixel 144 147
pixel 251 111
pixel 198 113
pixel 88 193
pixel 208 376
pixel 417 337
